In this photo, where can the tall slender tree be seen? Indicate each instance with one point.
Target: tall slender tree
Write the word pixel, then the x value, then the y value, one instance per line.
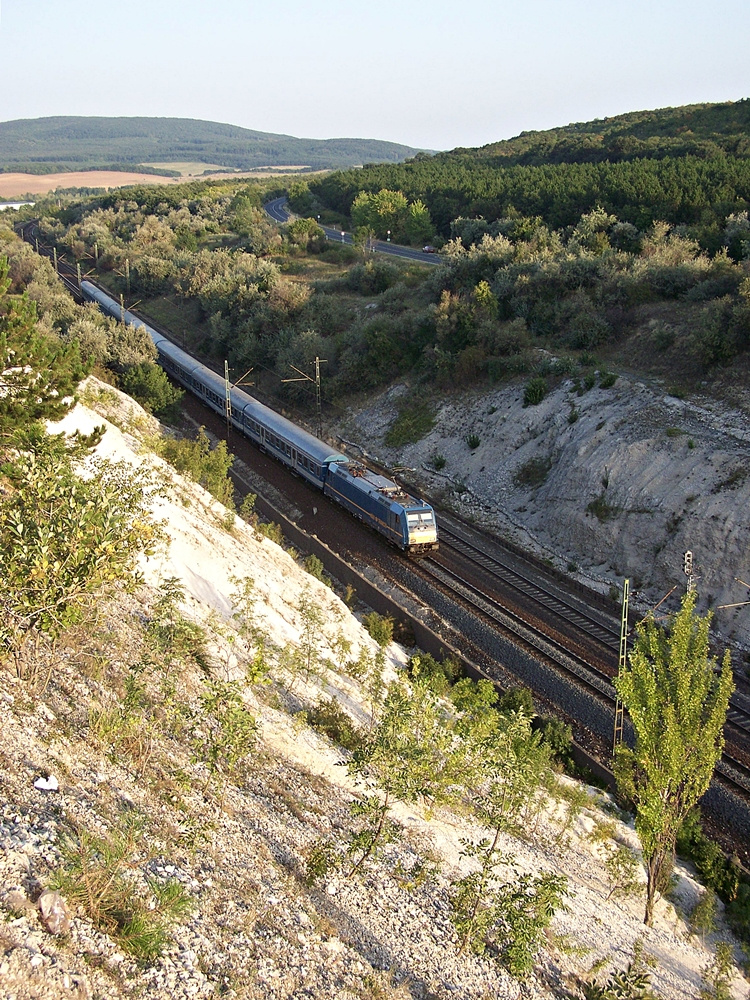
pixel 677 701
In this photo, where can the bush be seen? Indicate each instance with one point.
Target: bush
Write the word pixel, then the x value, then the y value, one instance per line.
pixel 314 567
pixel 473 441
pixel 65 538
pixel 535 391
pixel 517 699
pixel 716 870
pixel 533 472
pixel 437 461
pixel 329 718
pixel 202 463
pixel 272 531
pixel 438 675
pixel 149 386
pixel 558 736
pixel 416 419
pixel 601 508
pixel 380 627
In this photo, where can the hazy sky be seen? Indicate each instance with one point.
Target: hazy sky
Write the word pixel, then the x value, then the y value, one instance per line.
pixel 430 73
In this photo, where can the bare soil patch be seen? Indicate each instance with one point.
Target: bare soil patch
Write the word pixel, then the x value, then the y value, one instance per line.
pixel 20 185
pixel 17 185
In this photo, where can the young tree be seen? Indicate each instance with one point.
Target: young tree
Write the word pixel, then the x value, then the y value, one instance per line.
pixel 65 539
pixel 410 754
pixel 678 703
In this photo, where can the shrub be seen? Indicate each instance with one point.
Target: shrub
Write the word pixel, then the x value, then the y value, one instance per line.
pixel 415 419
pixel 202 463
pixel 329 718
pixel 558 736
pixel 533 472
pixel 272 531
pixel 438 675
pixel 601 508
pixel 437 461
pixel 314 567
pixel 535 391
pixel 607 380
pixel 517 699
pixel 65 538
pixel 380 627
pixel 148 384
pixel 473 441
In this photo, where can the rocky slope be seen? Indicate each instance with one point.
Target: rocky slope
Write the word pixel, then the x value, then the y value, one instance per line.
pixel 112 748
pixel 607 483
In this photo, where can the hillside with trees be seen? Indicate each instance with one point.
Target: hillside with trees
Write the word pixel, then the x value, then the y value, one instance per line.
pixel 685 166
pixel 48 145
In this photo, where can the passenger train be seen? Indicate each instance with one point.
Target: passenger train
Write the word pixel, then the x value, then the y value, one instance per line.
pixel 405 521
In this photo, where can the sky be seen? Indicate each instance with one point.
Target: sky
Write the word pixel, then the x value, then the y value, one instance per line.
pixel 434 74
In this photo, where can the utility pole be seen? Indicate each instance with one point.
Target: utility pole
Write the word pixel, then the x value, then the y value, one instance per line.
pixel 127 274
pixel 122 309
pixel 228 393
pixel 54 255
pixel 227 398
pixel 619 708
pixel 687 566
pixel 306 378
pixel 78 269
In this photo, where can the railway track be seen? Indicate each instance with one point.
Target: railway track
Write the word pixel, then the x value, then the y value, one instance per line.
pixel 568 609
pixel 594 678
pixel 536 619
pixel 594 626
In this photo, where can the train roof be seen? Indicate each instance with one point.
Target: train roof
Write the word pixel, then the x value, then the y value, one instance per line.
pixel 320 451
pixel 380 487
pixel 302 440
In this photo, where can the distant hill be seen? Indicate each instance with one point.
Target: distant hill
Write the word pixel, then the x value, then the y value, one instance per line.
pixel 42 145
pixel 695 129
pixel 685 166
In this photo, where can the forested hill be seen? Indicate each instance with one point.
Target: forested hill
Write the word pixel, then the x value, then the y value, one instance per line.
pixel 687 166
pixel 44 144
pixel 697 130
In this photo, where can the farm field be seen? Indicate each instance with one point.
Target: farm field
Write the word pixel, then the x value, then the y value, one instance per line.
pixel 18 185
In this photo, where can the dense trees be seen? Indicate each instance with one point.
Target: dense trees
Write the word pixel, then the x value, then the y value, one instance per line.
pixel 510 280
pixel 689 190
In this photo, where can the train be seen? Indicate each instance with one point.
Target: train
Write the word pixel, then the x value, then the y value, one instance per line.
pixel 405 521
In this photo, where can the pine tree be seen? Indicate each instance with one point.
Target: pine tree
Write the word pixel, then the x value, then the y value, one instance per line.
pixel 38 375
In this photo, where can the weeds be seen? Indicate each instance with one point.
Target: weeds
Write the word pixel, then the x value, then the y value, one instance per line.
pixel 535 391
pixel 533 472
pixel 415 419
pixel 98 874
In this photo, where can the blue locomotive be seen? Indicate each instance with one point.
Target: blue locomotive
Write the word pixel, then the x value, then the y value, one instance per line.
pixel 403 520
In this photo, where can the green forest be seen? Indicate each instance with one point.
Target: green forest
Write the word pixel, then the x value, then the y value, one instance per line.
pixel 48 145
pixel 508 299
pixel 688 167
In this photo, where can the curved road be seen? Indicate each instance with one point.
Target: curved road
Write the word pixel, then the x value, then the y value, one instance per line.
pixel 277 210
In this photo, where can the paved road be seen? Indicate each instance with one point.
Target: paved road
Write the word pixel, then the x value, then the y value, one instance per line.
pixel 278 212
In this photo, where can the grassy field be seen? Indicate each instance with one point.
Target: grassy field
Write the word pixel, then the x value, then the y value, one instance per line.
pixel 198 169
